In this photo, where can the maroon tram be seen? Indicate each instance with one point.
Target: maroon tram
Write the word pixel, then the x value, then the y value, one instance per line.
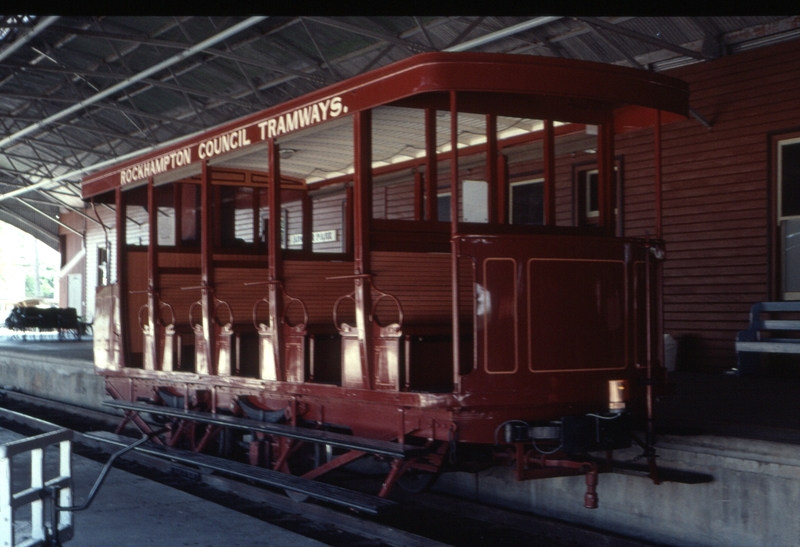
pixel 392 257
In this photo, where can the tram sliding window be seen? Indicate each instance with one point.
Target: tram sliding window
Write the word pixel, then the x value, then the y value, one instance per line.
pixel 588 203
pixel 137 231
pixel 443 207
pixel 189 201
pixel 236 216
pixel 165 215
pixel 527 202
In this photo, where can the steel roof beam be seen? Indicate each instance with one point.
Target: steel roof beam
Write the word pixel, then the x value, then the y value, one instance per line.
pixel 19 42
pixel 66 205
pixel 70 228
pixel 504 33
pixel 48 238
pixel 643 38
pixel 321 54
pixel 109 75
pixel 465 32
pixel 213 52
pixel 205 44
pixel 411 47
pixel 600 33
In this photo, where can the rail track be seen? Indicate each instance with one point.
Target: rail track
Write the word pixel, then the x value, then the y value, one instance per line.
pixel 421 519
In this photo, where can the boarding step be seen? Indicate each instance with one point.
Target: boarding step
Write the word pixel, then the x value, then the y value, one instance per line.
pixel 339 440
pixel 325 492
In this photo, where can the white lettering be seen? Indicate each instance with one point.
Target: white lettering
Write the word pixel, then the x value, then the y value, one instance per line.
pixel 156 166
pixel 299 118
pixel 324 106
pixel 305 116
pixel 291 121
pixel 336 106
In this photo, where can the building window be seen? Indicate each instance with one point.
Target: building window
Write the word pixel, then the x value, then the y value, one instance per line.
pixel 527 202
pixel 788 164
pixel 102 267
pixel 587 203
pixel 443 207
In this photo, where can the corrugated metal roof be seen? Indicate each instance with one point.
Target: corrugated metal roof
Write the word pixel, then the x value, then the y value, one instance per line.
pixel 50 64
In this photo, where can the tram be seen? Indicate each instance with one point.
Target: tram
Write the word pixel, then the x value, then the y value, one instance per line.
pixel 428 254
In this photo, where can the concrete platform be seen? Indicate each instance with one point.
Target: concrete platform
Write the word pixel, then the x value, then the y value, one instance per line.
pixel 44 366
pixel 742 431
pixel 130 510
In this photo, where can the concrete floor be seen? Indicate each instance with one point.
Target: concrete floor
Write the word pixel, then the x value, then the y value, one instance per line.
pixel 131 510
pixel 740 431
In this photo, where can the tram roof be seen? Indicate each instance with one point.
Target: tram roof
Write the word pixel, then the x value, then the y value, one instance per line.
pixel 508 85
pixel 81 93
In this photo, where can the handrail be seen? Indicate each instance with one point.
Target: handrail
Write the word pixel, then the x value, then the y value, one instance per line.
pixel 381 296
pixel 218 302
pixel 39 490
pixel 161 306
pixel 284 317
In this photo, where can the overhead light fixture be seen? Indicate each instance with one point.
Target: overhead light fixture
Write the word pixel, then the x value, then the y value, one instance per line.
pixel 286 153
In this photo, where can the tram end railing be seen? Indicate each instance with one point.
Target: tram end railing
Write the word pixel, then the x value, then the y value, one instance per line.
pixel 46 525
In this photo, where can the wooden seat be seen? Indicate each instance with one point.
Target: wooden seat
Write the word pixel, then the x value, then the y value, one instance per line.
pixel 750 342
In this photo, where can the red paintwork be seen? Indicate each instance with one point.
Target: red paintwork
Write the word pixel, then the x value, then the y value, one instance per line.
pixel 579 91
pixel 527 323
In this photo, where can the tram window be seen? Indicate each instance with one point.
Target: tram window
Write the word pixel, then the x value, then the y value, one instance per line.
pixel 102 267
pixel 236 216
pixel 443 207
pixel 292 225
pixel 137 231
pixel 789 216
pixel 588 202
pixel 527 202
pixel 190 213
pixel 165 215
pixel 166 226
pixel 328 224
pixel 263 215
pixel 591 207
pixel 393 201
pixel 475 201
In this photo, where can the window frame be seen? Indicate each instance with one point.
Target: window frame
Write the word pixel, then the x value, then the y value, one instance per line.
pixel 777 275
pixel 580 199
pixel 511 185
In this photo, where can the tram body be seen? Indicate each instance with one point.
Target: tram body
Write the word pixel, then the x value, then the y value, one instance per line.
pixel 365 258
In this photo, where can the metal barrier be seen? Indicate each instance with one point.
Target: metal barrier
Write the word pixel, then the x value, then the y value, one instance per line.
pixel 58 489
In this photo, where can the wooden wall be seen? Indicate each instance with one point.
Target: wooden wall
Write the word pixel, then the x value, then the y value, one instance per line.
pixel 718 196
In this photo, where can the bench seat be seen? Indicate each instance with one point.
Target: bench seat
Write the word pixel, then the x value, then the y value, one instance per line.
pixel 751 343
